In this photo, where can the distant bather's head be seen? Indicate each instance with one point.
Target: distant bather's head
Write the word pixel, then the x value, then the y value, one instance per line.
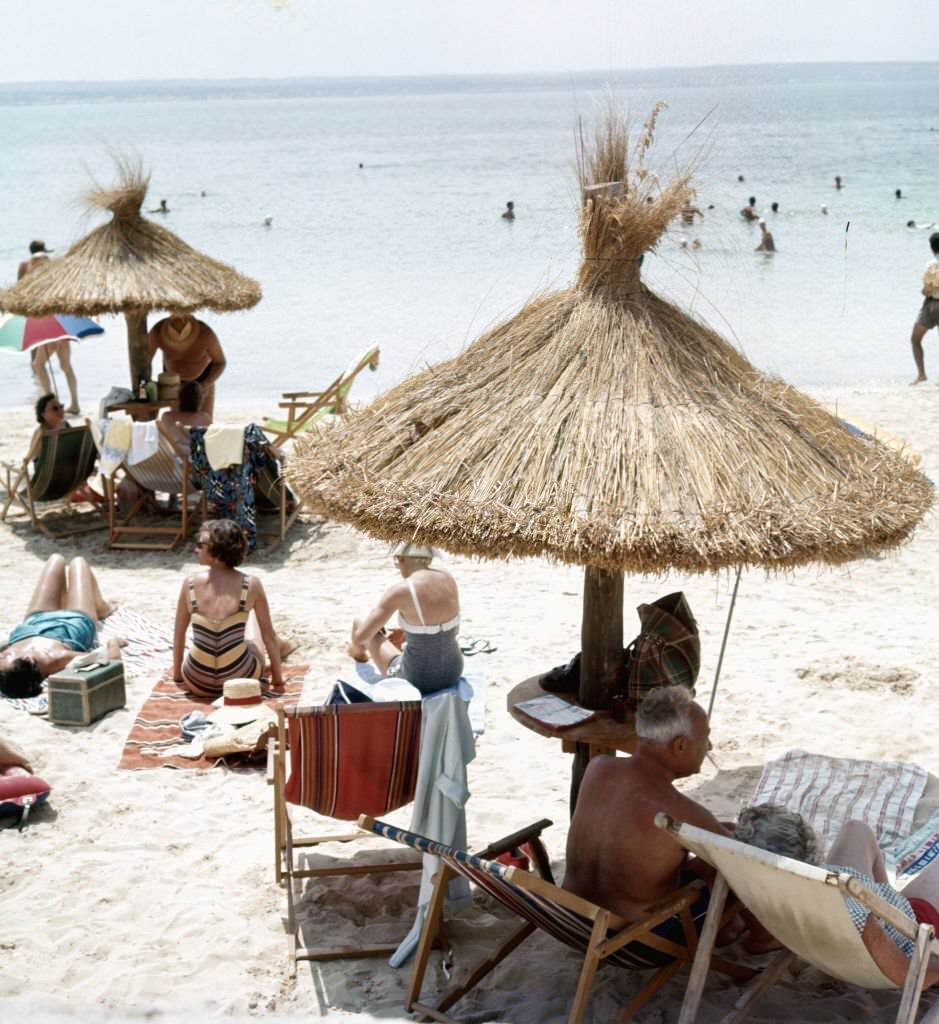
pixel 20 678
pixel 223 539
pixel 778 830
pixel 934 242
pixel 669 719
pixel 190 396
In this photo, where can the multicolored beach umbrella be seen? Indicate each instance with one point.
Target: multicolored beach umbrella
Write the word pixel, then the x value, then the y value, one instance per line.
pixel 21 333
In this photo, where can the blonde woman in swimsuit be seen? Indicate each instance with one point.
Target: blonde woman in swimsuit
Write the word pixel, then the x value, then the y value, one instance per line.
pixel 231 620
pixel 428 607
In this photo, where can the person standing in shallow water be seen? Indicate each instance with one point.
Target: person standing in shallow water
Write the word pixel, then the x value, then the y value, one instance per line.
pixel 766 238
pixel 38 255
pixel 929 311
pixel 509 212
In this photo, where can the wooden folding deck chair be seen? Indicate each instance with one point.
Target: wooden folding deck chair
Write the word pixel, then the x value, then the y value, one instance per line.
pixel 65 462
pixel 165 472
pixel 275 500
pixel 803 906
pixel 304 408
pixel 601 936
pixel 344 760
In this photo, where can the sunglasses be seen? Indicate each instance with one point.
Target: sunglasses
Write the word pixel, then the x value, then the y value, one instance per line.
pixel 55 407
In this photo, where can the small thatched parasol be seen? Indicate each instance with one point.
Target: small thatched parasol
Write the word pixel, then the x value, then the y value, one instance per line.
pixel 604 427
pixel 130 265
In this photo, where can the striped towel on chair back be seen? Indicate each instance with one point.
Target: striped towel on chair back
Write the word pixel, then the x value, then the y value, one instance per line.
pixel 352 759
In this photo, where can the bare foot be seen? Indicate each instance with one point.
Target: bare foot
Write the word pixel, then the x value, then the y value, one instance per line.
pixel 113 648
pixel 287 647
pixel 356 652
pixel 920 379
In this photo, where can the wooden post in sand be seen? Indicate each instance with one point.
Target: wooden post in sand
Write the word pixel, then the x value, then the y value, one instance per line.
pixel 601 652
pixel 137 355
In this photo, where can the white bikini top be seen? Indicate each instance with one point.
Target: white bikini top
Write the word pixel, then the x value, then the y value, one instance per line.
pixel 408 627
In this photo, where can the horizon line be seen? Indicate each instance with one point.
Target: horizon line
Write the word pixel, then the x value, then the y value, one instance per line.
pixel 410 76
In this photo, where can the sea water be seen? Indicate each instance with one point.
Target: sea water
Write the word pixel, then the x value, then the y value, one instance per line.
pixel 385 198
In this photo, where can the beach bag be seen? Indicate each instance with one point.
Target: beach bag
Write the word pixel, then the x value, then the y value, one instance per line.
pixel 667 651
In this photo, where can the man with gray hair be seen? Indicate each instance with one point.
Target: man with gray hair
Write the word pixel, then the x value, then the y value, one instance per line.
pixel 616 857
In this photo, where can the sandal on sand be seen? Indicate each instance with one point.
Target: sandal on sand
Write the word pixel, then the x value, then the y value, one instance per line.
pixel 470 647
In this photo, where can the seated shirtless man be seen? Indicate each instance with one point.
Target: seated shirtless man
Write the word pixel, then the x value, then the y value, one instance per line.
pixel 616 856
pixel 61 621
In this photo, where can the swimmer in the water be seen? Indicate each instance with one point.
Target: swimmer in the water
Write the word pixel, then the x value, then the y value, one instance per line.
pixel 162 208
pixel 509 212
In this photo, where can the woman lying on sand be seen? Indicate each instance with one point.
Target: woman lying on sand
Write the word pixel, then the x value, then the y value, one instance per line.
pixel 854 852
pixel 61 620
pixel 428 607
pixel 231 620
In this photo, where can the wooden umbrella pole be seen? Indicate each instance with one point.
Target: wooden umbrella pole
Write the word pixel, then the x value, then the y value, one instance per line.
pixel 601 653
pixel 137 355
pixel 720 657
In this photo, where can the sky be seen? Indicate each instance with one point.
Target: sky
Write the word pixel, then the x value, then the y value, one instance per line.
pixel 105 40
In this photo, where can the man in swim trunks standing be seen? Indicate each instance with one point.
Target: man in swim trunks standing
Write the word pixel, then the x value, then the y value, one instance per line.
pixel 191 349
pixel 61 621
pixel 929 311
pixel 616 856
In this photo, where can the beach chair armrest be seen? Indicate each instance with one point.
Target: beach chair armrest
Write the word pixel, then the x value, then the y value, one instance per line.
pixel 522 836
pixel 293 397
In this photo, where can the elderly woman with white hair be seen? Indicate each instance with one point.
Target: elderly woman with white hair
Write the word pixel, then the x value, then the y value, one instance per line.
pixel 854 852
pixel 428 607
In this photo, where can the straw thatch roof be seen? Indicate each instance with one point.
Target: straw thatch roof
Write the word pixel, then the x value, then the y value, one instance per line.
pixel 603 426
pixel 128 265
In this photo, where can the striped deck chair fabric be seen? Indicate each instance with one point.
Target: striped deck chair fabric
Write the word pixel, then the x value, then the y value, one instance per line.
pixel 352 759
pixel 66 460
pixel 581 925
pixel 343 759
pixel 164 471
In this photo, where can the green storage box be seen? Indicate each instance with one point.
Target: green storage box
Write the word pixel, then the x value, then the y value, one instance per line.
pixel 77 696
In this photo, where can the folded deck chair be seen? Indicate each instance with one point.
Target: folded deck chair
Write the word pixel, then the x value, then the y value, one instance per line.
pixel 344 760
pixel 803 906
pixel 599 935
pixel 304 408
pixel 65 462
pixel 165 471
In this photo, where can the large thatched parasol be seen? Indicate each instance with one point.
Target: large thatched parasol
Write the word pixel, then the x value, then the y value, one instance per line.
pixel 130 265
pixel 602 426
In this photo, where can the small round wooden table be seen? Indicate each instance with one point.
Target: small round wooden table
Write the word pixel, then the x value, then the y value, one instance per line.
pixel 601 735
pixel 140 409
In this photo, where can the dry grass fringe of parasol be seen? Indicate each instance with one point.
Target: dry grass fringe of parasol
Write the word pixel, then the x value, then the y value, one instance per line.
pixel 129 265
pixel 603 426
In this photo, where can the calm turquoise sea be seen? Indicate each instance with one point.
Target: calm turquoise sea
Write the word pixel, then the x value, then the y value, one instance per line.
pixel 409 249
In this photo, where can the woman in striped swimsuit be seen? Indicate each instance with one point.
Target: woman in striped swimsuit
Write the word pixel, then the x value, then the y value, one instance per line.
pixel 231 621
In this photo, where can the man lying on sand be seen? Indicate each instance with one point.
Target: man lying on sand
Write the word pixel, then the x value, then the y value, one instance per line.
pixel 60 622
pixel 616 857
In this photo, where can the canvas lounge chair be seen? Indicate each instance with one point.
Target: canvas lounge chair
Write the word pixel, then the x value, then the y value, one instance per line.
pixel 597 934
pixel 803 907
pixel 165 471
pixel 65 462
pixel 304 408
pixel 343 760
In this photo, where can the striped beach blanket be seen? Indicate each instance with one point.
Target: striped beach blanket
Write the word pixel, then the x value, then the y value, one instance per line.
pixel 828 791
pixel 909 856
pixel 156 727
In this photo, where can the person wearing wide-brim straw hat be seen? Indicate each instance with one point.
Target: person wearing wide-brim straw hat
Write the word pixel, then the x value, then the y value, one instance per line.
pixel 191 349
pixel 428 607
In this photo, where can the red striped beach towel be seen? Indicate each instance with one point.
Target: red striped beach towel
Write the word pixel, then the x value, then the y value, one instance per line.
pixel 156 727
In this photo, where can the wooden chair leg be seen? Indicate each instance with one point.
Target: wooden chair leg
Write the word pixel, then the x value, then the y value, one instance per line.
pixel 760 985
pixel 702 959
pixel 915 976
pixel 431 924
pixel 589 969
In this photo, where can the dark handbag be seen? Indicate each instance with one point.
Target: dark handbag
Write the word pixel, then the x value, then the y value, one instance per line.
pixel 667 651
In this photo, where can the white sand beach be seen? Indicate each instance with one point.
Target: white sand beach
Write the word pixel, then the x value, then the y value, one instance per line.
pixel 151 894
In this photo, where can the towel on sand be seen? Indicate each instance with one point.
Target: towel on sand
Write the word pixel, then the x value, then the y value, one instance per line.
pixel 828 791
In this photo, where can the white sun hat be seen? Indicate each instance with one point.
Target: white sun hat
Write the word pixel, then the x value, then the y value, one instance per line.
pixel 241 703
